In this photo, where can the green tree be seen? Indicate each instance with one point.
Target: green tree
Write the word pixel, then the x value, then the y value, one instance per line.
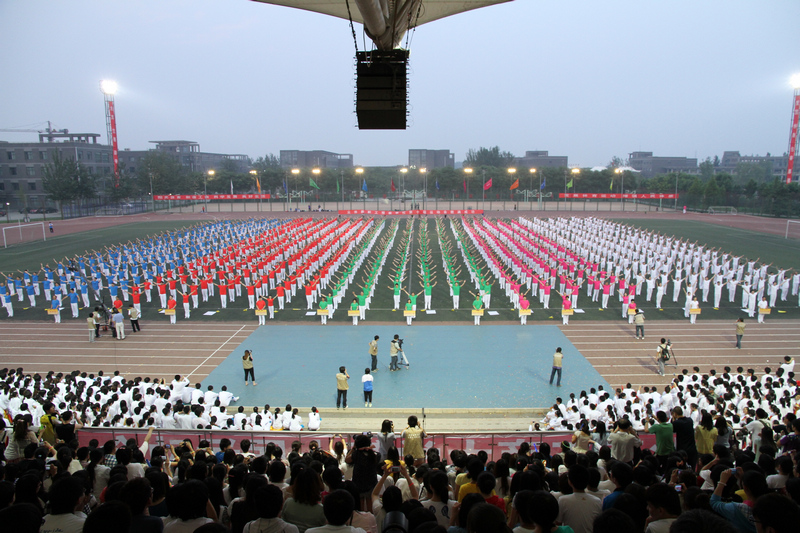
pixel 712 193
pixel 488 157
pixel 706 169
pixel 66 180
pixel 165 174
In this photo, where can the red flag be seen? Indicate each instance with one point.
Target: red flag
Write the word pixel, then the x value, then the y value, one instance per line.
pixel 393 189
pixel 514 185
pixel 487 185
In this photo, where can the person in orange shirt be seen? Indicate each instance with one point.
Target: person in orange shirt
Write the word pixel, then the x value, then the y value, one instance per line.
pixel 171 304
pixel 261 304
pixel 271 306
pixel 185 297
pixel 223 292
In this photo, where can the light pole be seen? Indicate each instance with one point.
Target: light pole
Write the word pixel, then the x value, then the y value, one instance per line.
pixel 258 188
pixel 532 173
pixel 8 208
pixel 468 172
pixel 619 172
pixel 794 138
pixel 205 187
pixel 511 172
pixel 152 198
pixel 675 207
pixel 575 172
pixel 424 172
pixel 403 171
pixel 316 171
pixel 295 173
pixel 359 171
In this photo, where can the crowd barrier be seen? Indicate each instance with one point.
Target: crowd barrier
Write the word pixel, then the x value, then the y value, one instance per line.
pixel 493 443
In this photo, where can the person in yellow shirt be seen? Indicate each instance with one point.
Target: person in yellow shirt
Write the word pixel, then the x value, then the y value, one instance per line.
pixel 557 357
pixel 474 469
pixel 47 423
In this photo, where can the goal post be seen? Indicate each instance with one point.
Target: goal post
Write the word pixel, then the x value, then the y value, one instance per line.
pixel 722 209
pixel 16 234
pixel 794 230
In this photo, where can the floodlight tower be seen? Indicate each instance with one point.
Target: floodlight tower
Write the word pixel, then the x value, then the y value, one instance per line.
pixel 793 139
pixel 109 88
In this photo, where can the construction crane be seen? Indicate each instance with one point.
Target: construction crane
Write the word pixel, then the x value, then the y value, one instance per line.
pixel 49 129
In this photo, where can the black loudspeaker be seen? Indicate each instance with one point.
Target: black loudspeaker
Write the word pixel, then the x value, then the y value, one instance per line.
pixel 381 95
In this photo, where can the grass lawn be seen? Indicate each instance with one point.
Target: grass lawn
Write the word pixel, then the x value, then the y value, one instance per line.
pixel 750 244
pixel 31 255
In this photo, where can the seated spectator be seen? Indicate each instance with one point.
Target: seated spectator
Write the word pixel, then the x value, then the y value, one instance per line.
pixel 244 510
pixel 187 504
pixel 111 516
pixel 269 501
pixel 579 509
pixel 621 474
pixel 137 494
pixel 776 513
pixel 363 519
pixel 543 511
pixel 474 468
pixel 613 521
pixel 485 484
pixel 486 517
pixel 338 508
pixel 458 522
pixel 740 515
pixel 66 501
pixel 21 518
pixel 303 508
pixel 664 506
pixel 439 503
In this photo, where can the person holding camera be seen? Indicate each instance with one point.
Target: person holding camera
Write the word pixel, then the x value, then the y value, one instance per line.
pixel 624 440
pixel 394 348
pixel 341 387
pixel 247 364
pixel 48 423
pixel 663 354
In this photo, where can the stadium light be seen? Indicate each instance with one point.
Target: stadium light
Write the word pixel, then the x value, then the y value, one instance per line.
pixel 109 87
pixel 795 81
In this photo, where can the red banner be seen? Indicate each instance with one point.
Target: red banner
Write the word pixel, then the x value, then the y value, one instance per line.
pixel 487 185
pixel 114 150
pixel 608 195
pixel 210 196
pixel 412 212
pixel 793 137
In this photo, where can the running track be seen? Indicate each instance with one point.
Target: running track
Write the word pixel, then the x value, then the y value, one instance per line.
pixel 194 350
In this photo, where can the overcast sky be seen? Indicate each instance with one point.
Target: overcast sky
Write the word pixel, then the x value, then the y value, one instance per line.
pixel 590 79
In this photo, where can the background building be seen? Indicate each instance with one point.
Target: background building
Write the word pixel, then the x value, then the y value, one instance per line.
pixel 651 166
pixel 421 158
pixel 22 165
pixel 188 154
pixel 541 159
pixel 778 165
pixel 315 158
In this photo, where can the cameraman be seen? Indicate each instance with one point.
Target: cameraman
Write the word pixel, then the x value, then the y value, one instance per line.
pixel 48 422
pixel 394 348
pixel 664 353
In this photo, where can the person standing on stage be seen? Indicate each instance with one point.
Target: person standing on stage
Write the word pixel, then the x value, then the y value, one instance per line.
pixel 557 358
pixel 373 352
pixel 247 364
pixel 342 387
pixel 367 380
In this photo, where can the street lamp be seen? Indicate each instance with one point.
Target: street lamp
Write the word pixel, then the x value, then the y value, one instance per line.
pixel 424 172
pixel 533 172
pixel 316 172
pixel 622 186
pixel 511 171
pixel 258 188
pixel 575 172
pixel 8 208
pixel 205 186
pixel 296 172
pixel 403 171
pixel 468 172
pixel 359 171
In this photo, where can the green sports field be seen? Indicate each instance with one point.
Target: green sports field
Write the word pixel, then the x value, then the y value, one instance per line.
pixel 782 253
